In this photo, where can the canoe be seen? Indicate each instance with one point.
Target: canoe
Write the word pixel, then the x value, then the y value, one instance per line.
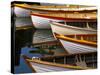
pixel 20 12
pixel 39 66
pixel 74 44
pixel 42 21
pixel 65 29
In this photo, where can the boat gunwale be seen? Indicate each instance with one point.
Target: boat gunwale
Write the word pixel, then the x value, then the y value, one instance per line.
pixel 25 57
pixel 82 42
pixel 53 10
pixel 72 27
pixel 64 18
pixel 55 64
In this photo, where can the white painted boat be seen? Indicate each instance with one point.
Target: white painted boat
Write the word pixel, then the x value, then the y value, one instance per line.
pixel 71 30
pixel 57 7
pixel 43 66
pixel 20 12
pixel 42 21
pixel 74 45
pixel 23 10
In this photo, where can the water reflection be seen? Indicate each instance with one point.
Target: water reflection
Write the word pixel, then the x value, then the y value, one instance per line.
pixel 24 38
pixel 42 36
pixel 21 21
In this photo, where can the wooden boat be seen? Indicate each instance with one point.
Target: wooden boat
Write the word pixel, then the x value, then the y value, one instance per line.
pixel 42 21
pixel 39 66
pixel 20 12
pixel 57 7
pixel 23 10
pixel 78 43
pixel 65 29
pixel 64 8
pixel 80 59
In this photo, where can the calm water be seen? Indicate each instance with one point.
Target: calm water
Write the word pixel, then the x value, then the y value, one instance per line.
pixel 20 21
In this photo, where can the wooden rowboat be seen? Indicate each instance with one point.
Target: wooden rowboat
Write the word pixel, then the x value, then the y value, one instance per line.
pixel 23 10
pixel 42 21
pixel 78 43
pixel 43 66
pixel 65 29
pixel 19 11
pixel 58 7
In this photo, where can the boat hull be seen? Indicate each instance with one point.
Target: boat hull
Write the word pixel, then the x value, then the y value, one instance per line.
pixel 21 12
pixel 37 65
pixel 74 48
pixel 69 30
pixel 46 68
pixel 42 22
pixel 25 12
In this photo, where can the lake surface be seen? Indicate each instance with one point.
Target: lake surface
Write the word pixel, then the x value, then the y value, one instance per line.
pixel 23 21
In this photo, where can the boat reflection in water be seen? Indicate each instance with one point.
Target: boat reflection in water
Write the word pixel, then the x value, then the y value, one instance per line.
pixel 41 36
pixel 25 37
pixel 23 22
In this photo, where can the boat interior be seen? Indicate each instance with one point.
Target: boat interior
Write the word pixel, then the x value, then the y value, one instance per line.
pixel 39 61
pixel 84 60
pixel 92 25
pixel 72 59
pixel 90 39
pixel 76 15
pixel 68 6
